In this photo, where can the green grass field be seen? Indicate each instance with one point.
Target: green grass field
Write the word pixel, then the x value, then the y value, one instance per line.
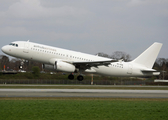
pixel 82 109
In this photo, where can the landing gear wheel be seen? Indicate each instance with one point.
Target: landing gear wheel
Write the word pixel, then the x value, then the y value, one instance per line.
pixel 71 77
pixel 80 78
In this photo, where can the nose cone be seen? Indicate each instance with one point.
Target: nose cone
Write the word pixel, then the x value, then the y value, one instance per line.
pixel 4 49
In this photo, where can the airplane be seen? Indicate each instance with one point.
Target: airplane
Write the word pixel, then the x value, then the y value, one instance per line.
pixel 58 59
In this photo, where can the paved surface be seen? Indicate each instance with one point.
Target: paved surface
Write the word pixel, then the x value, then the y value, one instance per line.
pixel 87 85
pixel 102 93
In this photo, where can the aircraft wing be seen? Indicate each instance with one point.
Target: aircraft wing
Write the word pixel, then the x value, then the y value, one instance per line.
pixel 88 64
pixel 83 65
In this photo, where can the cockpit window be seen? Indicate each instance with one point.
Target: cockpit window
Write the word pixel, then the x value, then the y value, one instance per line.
pixel 13 44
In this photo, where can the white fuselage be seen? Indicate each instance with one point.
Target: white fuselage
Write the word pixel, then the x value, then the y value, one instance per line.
pixel 47 55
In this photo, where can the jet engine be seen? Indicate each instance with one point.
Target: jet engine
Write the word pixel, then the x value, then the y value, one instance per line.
pixel 60 66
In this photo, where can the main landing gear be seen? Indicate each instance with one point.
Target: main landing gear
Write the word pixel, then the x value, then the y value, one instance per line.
pixel 79 78
pixel 71 77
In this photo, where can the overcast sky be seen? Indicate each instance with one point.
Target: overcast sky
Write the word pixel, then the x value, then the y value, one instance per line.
pixel 89 26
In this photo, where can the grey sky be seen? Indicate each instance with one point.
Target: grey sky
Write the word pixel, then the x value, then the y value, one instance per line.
pixel 89 26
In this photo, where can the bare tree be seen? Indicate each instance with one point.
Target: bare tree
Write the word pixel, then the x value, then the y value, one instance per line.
pixel 161 64
pixel 161 61
pixel 103 55
pixel 118 55
pixel 14 63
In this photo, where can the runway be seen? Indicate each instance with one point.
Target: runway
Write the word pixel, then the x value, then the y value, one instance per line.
pixel 93 93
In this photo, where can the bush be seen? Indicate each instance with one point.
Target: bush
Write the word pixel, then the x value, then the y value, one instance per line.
pixel 36 71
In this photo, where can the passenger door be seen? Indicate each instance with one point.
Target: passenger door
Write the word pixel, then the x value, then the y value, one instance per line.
pixel 26 48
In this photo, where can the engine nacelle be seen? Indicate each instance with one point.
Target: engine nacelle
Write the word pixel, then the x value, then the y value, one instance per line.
pixel 48 67
pixel 66 67
pixel 60 66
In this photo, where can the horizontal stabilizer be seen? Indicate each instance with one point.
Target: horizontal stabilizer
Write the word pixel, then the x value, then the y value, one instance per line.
pixel 149 70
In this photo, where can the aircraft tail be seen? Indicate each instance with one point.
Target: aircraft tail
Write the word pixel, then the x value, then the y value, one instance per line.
pixel 148 57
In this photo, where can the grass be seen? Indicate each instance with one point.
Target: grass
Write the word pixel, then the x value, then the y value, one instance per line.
pixel 82 109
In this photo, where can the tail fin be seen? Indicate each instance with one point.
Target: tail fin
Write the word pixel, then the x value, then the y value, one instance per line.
pixel 148 57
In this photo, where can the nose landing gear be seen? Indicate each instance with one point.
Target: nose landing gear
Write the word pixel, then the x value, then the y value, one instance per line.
pixel 21 64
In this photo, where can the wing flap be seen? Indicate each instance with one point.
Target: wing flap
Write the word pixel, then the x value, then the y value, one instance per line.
pixel 94 63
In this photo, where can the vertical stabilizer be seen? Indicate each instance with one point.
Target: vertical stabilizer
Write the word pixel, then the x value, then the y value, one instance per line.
pixel 148 57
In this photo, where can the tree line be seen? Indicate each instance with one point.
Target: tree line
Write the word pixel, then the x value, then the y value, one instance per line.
pixel 161 64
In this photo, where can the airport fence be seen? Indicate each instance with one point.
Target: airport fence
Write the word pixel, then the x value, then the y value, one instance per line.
pixel 76 82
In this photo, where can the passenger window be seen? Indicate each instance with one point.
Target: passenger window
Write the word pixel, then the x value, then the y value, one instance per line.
pixel 16 45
